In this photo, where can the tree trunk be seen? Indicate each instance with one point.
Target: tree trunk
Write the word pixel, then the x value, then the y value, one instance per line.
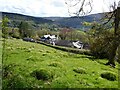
pixel 112 53
pixel 118 54
pixel 116 41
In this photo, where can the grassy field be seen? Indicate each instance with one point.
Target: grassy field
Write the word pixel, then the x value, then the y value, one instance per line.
pixel 31 65
pixel 1 59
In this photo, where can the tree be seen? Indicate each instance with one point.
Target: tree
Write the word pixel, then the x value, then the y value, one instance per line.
pixel 100 39
pixel 116 39
pixel 5 21
pixel 64 33
pixel 116 13
pixel 15 33
pixel 81 5
pixel 118 54
pixel 23 28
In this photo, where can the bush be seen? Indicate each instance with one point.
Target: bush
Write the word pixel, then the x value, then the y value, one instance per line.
pixel 109 76
pixel 79 70
pixel 72 50
pixel 42 74
pixel 16 35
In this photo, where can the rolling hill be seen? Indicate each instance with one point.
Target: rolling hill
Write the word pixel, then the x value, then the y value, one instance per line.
pixel 73 22
pixel 20 17
pixel 31 65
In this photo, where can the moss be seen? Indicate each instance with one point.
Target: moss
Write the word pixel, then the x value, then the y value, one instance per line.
pixel 109 76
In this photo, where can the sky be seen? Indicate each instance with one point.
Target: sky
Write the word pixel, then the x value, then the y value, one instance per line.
pixel 46 8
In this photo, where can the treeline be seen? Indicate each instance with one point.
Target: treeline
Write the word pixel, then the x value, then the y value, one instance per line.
pixel 17 18
pixel 26 29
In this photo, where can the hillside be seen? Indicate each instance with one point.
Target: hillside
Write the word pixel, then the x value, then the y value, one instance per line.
pixel 20 17
pixel 15 19
pixel 74 22
pixel 31 65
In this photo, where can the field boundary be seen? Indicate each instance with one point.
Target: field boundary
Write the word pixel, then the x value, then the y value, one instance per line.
pixel 67 49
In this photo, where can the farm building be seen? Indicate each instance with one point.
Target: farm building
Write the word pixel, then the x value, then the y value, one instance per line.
pixel 53 39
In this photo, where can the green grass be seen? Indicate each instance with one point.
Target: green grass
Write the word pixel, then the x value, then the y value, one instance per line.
pixel 21 59
pixel 0 59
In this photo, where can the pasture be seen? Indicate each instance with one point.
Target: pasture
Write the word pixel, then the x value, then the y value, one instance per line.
pixel 33 65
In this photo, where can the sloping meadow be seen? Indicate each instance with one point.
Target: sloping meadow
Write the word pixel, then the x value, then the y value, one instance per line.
pixel 33 65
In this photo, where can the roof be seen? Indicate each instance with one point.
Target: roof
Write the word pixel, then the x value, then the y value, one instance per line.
pixel 64 43
pixel 50 36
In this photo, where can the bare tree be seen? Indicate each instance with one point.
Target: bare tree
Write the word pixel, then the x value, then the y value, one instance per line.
pixel 114 13
pixel 81 6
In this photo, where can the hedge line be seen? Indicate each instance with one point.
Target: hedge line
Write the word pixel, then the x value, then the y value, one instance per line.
pixel 68 49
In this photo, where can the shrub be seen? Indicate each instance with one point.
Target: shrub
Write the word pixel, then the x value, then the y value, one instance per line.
pixel 79 70
pixel 72 50
pixel 42 74
pixel 16 35
pixel 109 76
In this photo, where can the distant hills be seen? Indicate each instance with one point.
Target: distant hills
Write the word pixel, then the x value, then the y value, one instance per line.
pixel 20 17
pixel 73 22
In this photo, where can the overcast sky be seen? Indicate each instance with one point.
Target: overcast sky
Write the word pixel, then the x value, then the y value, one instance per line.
pixel 46 8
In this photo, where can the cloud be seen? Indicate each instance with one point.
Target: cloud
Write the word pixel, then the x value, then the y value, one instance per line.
pixel 42 8
pixel 35 7
pixel 56 3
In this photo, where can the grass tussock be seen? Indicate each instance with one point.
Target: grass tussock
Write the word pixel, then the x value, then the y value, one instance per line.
pixel 42 74
pixel 55 64
pixel 79 70
pixel 109 76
